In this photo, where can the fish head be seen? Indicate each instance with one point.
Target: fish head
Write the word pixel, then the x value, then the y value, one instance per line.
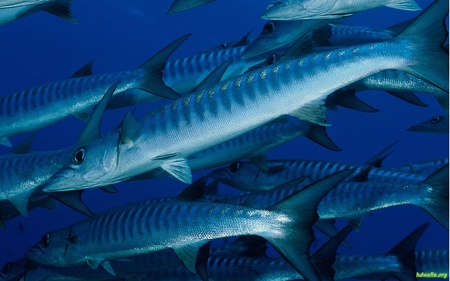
pixel 240 175
pixel 292 10
pixel 90 165
pixel 13 270
pixel 437 124
pixel 51 250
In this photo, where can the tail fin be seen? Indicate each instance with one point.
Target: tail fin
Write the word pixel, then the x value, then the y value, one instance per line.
pixel 405 252
pixel 428 32
pixel 153 67
pixel 437 206
pixel 301 208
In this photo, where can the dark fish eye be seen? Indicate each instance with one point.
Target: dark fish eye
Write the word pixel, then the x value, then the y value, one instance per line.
pixel 45 240
pixel 271 60
pixel 223 45
pixel 78 156
pixel 234 167
pixel 269 28
pixel 436 119
pixel 6 268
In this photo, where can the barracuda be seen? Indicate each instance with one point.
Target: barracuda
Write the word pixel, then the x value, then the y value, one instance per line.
pixel 437 124
pixel 353 200
pixel 38 107
pixel 148 227
pixel 248 176
pixel 166 137
pixel 328 9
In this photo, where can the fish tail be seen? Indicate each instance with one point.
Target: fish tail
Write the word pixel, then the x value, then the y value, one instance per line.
pixel 437 205
pixel 428 33
pixel 153 67
pixel 297 236
pixel 405 252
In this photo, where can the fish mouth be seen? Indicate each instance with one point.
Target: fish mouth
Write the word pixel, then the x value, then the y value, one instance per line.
pixel 416 128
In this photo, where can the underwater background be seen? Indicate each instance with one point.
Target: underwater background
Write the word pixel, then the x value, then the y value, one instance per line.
pixel 122 34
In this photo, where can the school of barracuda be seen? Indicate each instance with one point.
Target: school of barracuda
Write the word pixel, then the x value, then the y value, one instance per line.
pixel 217 116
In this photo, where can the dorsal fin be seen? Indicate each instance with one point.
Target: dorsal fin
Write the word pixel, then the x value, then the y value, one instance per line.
pixel 214 77
pixel 85 70
pixel 91 131
pixel 62 9
pixel 25 146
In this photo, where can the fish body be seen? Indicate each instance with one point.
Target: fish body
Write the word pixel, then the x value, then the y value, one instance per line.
pixel 297 87
pixel 424 168
pixel 248 176
pixel 328 9
pixel 38 107
pixel 13 10
pixel 252 145
pixel 355 199
pixel 143 228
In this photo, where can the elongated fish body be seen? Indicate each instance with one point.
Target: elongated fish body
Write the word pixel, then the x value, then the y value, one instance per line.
pixel 144 228
pixel 425 168
pixel 41 106
pixel 22 175
pixel 178 6
pixel 428 261
pixel 251 145
pixel 166 137
pixel 328 9
pixel 130 231
pixel 437 124
pixel 245 175
pixel 355 199
pixel 14 10
pixel 183 75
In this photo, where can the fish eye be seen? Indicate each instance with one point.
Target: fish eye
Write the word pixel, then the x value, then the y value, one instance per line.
pixel 234 167
pixel 223 46
pixel 78 156
pixel 269 28
pixel 45 240
pixel 6 268
pixel 436 119
pixel 271 60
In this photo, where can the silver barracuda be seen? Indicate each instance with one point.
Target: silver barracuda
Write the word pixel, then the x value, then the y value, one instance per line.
pixel 437 124
pixel 38 107
pixel 328 9
pixel 352 200
pixel 12 10
pixel 433 261
pixel 248 176
pixel 166 137
pixel 178 6
pixel 424 168
pixel 148 227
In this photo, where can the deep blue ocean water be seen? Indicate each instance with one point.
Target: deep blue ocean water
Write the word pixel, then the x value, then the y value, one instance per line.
pixel 122 34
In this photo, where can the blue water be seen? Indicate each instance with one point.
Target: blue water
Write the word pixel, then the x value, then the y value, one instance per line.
pixel 122 34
